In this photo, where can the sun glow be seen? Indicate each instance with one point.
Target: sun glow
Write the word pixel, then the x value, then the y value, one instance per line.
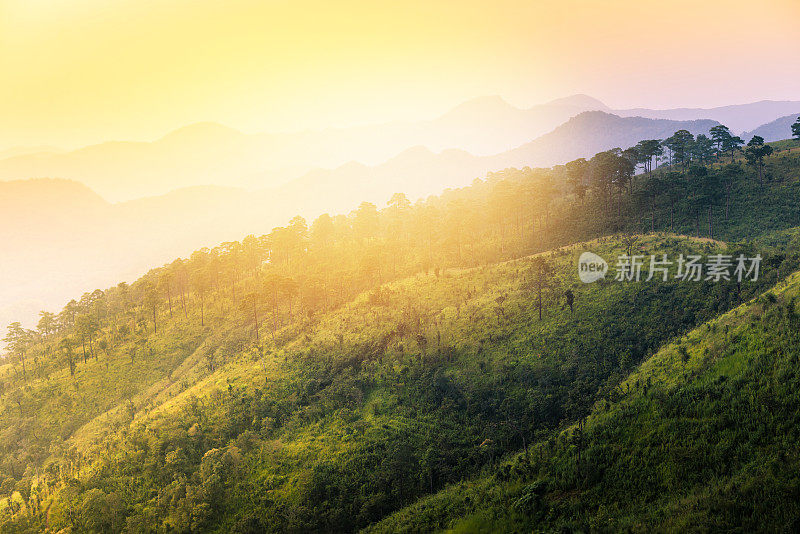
pixel 83 71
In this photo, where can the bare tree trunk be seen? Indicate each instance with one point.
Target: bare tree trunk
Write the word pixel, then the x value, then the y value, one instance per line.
pixel 540 300
pixel 710 221
pixel 255 320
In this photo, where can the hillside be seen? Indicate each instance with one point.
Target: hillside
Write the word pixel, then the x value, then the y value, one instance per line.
pixel 183 419
pixel 698 438
pixel 281 267
pixel 323 376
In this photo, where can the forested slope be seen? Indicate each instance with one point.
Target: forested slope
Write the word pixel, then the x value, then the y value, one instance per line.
pixel 321 378
pixel 346 415
pixel 701 437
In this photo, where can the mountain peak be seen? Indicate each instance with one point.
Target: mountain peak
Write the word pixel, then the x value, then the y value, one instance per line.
pixel 580 101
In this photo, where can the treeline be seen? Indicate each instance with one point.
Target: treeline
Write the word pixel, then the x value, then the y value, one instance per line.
pixel 301 269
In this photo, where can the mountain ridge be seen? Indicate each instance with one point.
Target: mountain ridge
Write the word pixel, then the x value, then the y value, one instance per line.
pixel 776 130
pixel 223 213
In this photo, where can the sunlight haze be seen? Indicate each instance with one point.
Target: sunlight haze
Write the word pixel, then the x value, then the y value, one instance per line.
pixel 399 266
pixel 85 71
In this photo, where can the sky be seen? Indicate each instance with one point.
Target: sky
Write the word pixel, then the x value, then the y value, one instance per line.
pixel 74 72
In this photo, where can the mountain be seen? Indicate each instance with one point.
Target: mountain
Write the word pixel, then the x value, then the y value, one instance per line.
pixel 738 118
pixel 326 380
pixel 489 125
pixel 591 132
pixel 578 103
pixel 196 155
pixel 776 130
pixel 212 154
pixel 95 242
pixel 420 172
pixel 693 440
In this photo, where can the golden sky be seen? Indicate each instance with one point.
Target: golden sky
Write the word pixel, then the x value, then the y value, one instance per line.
pixel 79 71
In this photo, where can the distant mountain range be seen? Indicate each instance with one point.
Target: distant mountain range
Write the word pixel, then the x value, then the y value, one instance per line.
pixel 211 154
pixel 739 118
pixel 62 238
pixel 776 130
pixel 592 132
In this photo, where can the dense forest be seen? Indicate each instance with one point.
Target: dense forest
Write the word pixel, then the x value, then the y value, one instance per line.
pixel 324 376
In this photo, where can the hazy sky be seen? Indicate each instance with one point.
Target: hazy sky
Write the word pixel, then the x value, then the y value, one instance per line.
pixel 78 71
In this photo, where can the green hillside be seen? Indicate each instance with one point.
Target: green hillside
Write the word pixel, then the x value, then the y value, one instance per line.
pixel 700 438
pixel 344 416
pixel 322 378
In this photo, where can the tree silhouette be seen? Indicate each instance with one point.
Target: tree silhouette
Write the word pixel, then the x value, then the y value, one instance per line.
pixel 729 172
pixel 649 151
pixel 540 278
pixel 165 282
pixel 151 301
pixel 17 340
pixel 47 323
pixel 577 174
pixel 703 149
pixel 708 192
pixel 87 326
pixel 755 154
pixel 731 145
pixel 67 344
pixel 273 288
pixel 680 144
pixel 604 168
pixel 201 283
pixel 655 188
pixel 720 135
